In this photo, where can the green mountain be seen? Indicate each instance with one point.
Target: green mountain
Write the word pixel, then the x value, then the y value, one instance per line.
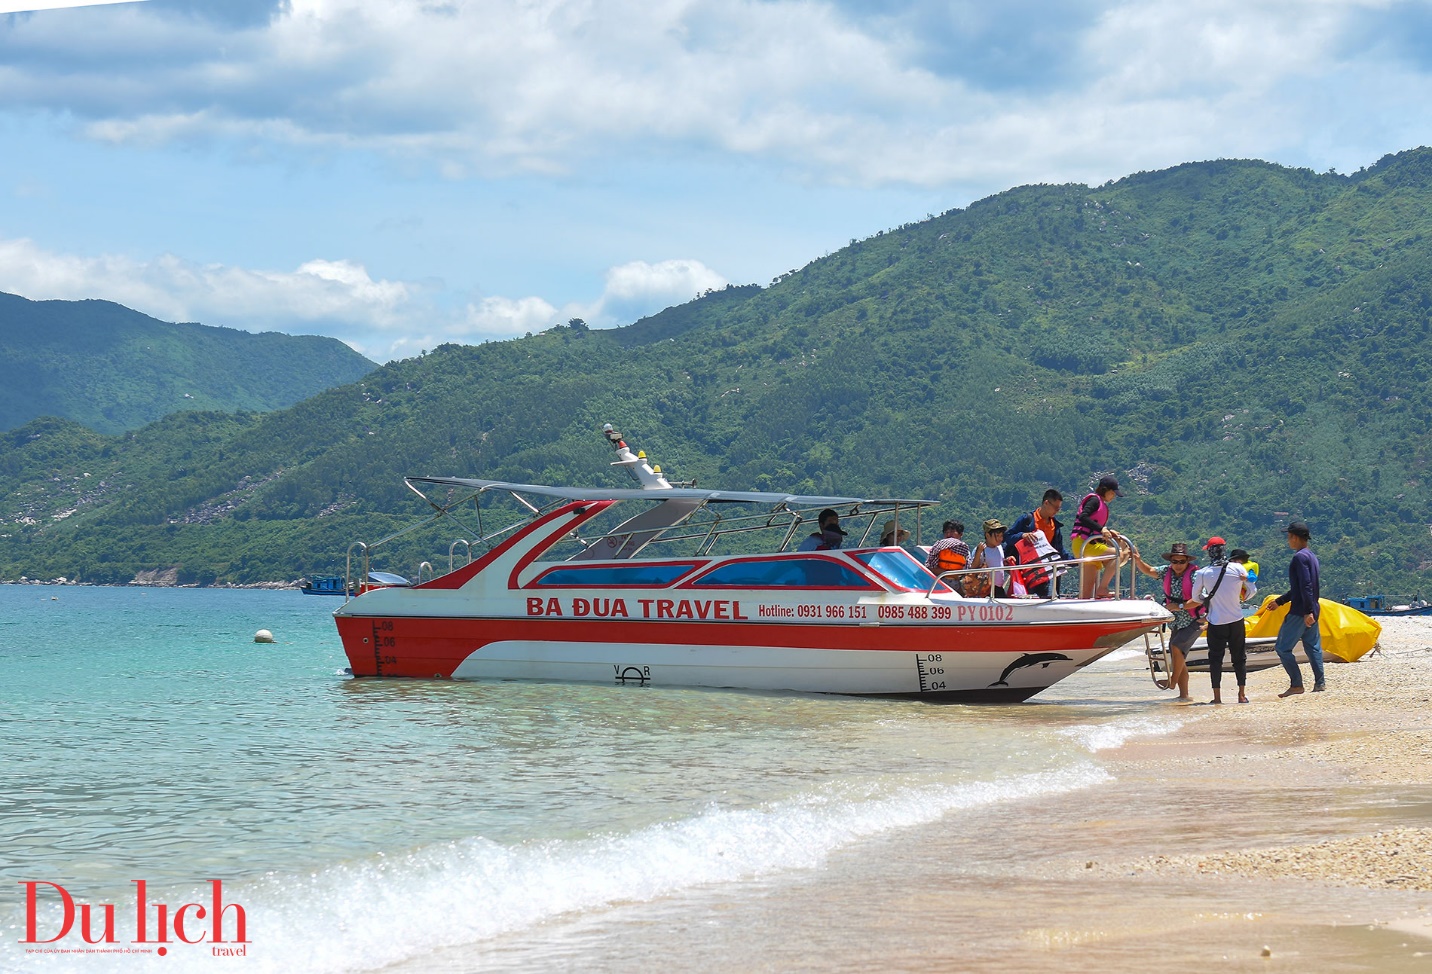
pixel 113 369
pixel 1239 342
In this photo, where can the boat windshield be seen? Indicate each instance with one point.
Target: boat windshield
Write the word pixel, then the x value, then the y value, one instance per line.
pixel 812 572
pixel 899 567
pixel 636 573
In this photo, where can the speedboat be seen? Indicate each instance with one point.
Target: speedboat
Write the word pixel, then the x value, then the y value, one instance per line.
pixel 700 588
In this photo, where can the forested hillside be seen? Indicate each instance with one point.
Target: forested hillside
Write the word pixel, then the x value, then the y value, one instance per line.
pixel 1239 342
pixel 113 369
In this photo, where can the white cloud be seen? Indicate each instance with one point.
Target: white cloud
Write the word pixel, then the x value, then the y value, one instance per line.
pixel 381 318
pixel 479 86
pixel 505 316
pixel 637 289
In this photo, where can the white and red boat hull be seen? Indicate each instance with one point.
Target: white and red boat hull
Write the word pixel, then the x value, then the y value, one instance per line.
pixel 839 625
pixel 991 661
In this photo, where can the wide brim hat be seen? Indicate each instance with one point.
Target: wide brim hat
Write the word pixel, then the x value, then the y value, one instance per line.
pixel 1176 550
pixel 992 525
pixel 888 531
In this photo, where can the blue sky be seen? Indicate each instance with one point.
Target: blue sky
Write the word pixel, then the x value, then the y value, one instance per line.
pixel 401 173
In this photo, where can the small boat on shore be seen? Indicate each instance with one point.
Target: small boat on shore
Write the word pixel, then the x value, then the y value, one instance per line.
pixel 569 590
pixel 1259 649
pixel 1347 635
pixel 1380 605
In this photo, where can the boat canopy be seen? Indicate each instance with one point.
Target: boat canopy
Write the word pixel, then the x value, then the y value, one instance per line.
pixel 671 493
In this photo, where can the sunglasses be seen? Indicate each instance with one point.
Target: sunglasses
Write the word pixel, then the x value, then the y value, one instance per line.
pixel 1178 561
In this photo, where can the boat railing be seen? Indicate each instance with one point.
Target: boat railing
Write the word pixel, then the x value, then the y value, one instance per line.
pixel 1058 569
pixel 348 587
pixel 431 574
pixel 453 547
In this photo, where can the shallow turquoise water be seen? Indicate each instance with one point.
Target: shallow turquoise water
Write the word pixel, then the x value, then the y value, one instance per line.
pixel 147 736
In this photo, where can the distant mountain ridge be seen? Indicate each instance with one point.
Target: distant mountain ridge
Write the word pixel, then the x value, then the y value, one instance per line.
pixel 1239 342
pixel 112 369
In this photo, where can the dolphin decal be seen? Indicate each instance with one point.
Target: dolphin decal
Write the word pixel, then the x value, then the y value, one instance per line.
pixel 1029 659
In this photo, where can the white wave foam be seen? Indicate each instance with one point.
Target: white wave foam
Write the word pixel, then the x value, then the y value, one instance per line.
pixel 393 908
pixel 1101 737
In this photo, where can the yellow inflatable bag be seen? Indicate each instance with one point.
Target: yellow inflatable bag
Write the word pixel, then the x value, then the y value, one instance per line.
pixel 1346 633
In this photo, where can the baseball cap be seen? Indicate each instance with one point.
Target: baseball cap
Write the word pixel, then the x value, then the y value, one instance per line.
pixel 1214 542
pixel 1109 483
pixel 1300 529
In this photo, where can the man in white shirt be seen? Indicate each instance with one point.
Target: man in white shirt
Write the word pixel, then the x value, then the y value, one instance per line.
pixel 1223 586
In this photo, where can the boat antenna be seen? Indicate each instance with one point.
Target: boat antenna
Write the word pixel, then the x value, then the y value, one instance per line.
pixel 647 475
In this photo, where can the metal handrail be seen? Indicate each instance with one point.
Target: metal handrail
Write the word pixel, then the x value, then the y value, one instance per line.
pixel 1061 563
pixel 453 547
pixel 431 574
pixel 348 569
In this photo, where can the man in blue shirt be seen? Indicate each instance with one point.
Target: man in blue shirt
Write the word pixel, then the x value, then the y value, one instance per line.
pixel 1302 622
pixel 828 535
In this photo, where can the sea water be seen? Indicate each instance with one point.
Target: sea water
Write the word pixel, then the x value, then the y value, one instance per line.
pixel 362 823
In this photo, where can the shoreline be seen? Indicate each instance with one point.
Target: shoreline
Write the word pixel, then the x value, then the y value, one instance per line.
pixel 1290 807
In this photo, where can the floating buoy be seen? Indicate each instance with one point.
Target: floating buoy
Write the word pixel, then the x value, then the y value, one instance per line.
pixel 263 636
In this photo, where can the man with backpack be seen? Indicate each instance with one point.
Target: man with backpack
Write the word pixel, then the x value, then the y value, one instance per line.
pixel 950 554
pixel 1222 585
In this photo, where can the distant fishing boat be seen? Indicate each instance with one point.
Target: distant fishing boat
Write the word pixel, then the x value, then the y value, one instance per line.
pixel 334 584
pixel 1377 605
pixel 324 585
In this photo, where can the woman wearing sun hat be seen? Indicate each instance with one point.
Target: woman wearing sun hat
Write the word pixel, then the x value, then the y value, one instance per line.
pixel 990 553
pixel 1177 576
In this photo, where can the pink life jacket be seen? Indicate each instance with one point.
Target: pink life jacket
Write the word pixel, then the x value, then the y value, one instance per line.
pixel 1187 579
pixel 1101 517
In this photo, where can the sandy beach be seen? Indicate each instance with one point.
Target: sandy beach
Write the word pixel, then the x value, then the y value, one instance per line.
pixel 1281 836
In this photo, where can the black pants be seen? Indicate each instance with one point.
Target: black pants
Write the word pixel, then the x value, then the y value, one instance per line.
pixel 1230 636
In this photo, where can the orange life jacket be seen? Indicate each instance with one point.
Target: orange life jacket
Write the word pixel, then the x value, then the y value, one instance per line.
pixel 951 560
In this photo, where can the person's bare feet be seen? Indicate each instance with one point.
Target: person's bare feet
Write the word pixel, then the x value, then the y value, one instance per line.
pixel 1291 691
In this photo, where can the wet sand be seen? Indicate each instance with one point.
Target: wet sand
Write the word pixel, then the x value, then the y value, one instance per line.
pixel 1284 835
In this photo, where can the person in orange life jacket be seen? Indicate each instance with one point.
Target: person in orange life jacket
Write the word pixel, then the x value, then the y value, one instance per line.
pixel 1221 586
pixel 1177 574
pixel 990 553
pixel 1041 519
pixel 950 554
pixel 1092 537
pixel 828 537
